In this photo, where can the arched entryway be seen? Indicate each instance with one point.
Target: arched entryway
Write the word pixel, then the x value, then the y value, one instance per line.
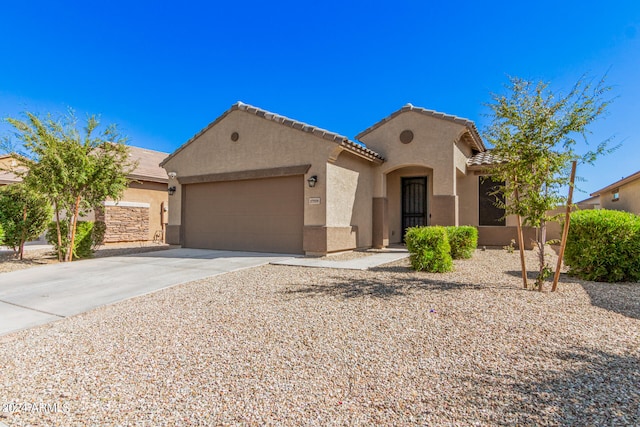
pixel 406 202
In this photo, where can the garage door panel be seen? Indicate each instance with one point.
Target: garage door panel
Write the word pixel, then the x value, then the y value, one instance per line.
pixel 264 215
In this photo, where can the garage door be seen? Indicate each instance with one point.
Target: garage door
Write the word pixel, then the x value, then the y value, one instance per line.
pixel 262 215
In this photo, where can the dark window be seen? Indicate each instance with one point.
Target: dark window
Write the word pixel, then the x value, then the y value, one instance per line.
pixel 490 214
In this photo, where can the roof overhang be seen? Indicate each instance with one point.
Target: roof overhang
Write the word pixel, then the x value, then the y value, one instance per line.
pixel 617 184
pixel 475 139
pixel 356 148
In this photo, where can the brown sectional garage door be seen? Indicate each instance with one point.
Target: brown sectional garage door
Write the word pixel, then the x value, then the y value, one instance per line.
pixel 262 215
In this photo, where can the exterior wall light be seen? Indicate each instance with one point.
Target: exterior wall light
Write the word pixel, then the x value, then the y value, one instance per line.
pixel 172 175
pixel 172 190
pixel 312 181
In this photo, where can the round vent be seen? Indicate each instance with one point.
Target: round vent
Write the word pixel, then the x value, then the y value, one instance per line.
pixel 406 136
pixel 235 136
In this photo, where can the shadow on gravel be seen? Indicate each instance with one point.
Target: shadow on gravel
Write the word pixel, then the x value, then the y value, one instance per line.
pixel 10 256
pixel 599 388
pixel 378 288
pixel 622 298
pixel 531 275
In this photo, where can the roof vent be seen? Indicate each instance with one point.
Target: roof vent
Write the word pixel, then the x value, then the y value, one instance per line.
pixel 409 105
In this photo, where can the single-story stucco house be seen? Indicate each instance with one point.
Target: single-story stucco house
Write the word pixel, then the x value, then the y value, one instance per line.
pixel 622 195
pixel 255 180
pixel 141 214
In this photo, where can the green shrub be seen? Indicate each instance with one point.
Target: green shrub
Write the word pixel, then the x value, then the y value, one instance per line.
pixel 463 241
pixel 84 240
pixel 24 214
pixel 604 246
pixel 89 235
pixel 1 235
pixel 429 249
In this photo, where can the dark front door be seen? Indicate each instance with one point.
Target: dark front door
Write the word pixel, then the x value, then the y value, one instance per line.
pixel 414 203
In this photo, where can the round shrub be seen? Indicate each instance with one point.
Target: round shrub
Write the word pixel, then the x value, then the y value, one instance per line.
pixel 429 249
pixel 604 246
pixel 463 241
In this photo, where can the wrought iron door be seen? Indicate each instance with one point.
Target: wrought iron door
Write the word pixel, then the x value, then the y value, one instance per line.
pixel 414 203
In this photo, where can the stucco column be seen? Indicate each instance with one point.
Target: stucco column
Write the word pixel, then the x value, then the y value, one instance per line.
pixel 443 210
pixel 380 235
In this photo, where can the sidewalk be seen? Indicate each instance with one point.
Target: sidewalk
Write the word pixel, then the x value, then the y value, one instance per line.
pixel 364 263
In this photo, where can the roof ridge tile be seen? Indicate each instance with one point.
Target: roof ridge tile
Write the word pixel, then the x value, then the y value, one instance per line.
pixel 437 114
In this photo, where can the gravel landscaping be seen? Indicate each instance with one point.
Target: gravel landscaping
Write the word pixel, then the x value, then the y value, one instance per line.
pixel 280 345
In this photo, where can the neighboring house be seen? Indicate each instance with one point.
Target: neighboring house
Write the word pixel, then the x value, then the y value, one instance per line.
pixel 622 195
pixel 255 180
pixel 6 164
pixel 592 202
pixel 141 213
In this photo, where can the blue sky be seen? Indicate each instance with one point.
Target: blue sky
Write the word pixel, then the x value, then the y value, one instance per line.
pixel 162 71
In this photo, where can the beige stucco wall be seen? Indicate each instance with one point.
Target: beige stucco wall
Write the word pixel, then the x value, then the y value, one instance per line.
pixel 155 194
pixel 350 196
pixel 629 198
pixel 262 144
pixel 433 147
pixel 437 152
pixel 467 187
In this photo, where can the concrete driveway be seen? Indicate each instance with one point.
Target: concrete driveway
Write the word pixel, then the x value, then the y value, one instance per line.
pixel 44 294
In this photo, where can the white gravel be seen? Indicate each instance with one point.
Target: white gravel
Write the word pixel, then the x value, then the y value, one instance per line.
pixel 292 346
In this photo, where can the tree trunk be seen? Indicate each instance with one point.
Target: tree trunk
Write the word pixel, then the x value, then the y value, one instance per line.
pixel 24 232
pixel 541 256
pixel 55 204
pixel 523 265
pixel 74 222
pixel 565 230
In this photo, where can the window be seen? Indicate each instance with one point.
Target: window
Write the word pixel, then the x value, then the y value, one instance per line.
pixel 616 195
pixel 490 214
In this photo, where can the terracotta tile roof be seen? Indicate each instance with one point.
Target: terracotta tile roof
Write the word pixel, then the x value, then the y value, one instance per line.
pixel 148 165
pixel 483 159
pixel 615 185
pixel 477 140
pixel 352 146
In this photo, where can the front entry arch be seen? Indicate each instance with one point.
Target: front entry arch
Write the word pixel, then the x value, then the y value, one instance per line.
pixel 407 194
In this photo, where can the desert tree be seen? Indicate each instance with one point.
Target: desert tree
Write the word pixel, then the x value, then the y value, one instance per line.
pixel 535 132
pixel 76 169
pixel 24 215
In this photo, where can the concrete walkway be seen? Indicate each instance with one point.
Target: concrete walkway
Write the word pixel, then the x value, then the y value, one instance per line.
pixel 364 263
pixel 36 296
